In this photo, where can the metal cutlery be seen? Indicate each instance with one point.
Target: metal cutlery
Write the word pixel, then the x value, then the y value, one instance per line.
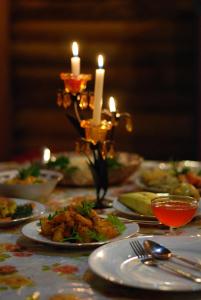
pixel 159 251
pixel 148 260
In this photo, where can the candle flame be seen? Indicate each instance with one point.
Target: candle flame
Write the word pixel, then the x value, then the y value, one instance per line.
pixel 75 48
pixel 46 155
pixel 100 61
pixel 112 104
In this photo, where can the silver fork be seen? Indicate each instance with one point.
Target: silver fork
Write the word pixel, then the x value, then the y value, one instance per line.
pixel 148 260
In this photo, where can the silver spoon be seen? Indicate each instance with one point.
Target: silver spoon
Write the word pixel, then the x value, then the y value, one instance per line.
pixel 160 252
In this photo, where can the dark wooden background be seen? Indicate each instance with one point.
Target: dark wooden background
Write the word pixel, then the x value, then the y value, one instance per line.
pixel 150 51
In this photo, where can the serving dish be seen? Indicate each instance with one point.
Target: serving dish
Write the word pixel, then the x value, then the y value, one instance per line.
pixel 79 174
pixel 32 231
pixel 34 191
pixel 162 176
pixel 38 210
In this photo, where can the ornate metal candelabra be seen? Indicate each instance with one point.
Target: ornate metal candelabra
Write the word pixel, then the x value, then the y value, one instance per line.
pixel 96 141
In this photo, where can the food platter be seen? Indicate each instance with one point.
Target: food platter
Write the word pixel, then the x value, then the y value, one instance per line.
pixel 131 213
pixel 38 210
pixel 79 174
pixel 32 231
pixel 156 176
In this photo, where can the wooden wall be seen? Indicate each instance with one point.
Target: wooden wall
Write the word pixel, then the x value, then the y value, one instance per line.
pixel 149 48
pixel 5 104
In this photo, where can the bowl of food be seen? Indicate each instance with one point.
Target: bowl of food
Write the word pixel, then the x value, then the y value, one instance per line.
pixel 28 183
pixel 76 171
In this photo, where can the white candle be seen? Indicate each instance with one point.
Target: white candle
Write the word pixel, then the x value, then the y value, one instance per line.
pixel 75 60
pixel 46 155
pixel 98 91
pixel 112 105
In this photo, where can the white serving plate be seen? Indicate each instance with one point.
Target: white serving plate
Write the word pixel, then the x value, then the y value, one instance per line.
pixel 38 210
pixel 32 231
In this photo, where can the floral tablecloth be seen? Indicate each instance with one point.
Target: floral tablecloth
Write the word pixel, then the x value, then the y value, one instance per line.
pixel 33 271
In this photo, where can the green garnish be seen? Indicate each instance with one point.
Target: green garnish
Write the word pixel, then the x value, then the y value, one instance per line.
pixel 51 216
pixel 33 170
pixel 115 221
pixel 85 208
pixel 74 237
pixel 176 171
pixel 22 211
pixel 62 163
pixel 185 170
pixel 96 236
pixel 113 163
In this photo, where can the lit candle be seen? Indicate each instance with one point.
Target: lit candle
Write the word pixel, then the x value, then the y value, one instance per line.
pixel 75 60
pixel 112 105
pixel 98 91
pixel 46 155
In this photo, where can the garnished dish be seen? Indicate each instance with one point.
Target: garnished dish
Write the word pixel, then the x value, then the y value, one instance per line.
pixel 30 182
pixel 28 175
pixel 78 226
pixel 14 211
pixel 181 178
pixel 76 171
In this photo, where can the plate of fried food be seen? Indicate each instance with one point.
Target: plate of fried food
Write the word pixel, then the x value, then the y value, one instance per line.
pixel 14 211
pixel 76 171
pixel 78 226
pixel 182 177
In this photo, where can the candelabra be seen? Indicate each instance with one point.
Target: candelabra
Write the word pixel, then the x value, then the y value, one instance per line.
pixel 95 140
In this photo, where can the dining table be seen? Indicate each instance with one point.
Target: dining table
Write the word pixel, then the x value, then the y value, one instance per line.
pixel 31 270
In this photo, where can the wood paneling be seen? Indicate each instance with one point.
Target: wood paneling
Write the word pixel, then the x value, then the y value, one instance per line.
pixel 5 110
pixel 149 48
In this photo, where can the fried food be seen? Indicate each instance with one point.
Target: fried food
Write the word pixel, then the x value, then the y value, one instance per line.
pixel 78 224
pixel 7 207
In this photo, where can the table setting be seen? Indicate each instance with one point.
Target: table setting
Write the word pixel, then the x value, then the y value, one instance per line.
pixel 98 223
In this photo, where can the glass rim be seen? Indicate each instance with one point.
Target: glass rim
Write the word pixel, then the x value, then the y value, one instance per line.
pixel 173 197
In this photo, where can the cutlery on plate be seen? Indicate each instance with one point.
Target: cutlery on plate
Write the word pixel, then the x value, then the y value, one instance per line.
pixel 158 251
pixel 148 260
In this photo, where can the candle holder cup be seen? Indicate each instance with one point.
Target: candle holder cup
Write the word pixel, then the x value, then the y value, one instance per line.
pixel 75 84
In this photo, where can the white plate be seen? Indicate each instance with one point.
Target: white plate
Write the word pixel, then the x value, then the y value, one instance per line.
pixel 130 214
pixel 38 210
pixel 32 231
pixel 117 263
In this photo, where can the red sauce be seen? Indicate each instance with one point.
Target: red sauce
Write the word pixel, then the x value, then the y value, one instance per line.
pixel 174 213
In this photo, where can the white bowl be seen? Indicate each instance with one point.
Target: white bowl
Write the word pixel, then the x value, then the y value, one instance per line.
pixel 36 191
